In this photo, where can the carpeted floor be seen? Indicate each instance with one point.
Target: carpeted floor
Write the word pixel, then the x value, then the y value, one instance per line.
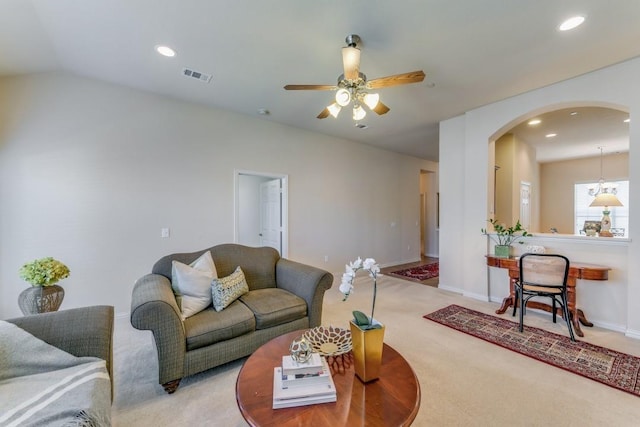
pixel 464 381
pixel 610 367
pixel 420 273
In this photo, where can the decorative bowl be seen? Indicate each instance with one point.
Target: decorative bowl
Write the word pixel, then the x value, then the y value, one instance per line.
pixel 329 340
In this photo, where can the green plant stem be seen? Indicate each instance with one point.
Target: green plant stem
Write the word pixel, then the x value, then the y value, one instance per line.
pixel 373 306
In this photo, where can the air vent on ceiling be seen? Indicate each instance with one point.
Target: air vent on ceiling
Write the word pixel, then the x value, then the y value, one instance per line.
pixel 196 75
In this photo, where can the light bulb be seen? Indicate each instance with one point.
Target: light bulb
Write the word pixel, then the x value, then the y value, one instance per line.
pixel 334 109
pixel 371 99
pixel 343 97
pixel 358 113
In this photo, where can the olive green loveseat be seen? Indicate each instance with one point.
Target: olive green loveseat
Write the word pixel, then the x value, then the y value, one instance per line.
pixel 283 296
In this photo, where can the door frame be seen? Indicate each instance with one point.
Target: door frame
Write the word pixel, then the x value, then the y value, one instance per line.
pixel 284 185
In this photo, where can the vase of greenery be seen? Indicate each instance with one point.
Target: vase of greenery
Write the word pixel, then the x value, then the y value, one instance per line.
pixel 504 237
pixel 44 294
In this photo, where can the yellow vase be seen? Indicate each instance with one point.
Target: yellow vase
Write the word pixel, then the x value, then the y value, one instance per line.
pixel 367 352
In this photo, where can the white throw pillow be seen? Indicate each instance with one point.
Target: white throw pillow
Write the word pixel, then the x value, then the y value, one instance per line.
pixel 193 283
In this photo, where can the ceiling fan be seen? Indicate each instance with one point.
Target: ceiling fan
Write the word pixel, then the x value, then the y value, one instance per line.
pixel 353 85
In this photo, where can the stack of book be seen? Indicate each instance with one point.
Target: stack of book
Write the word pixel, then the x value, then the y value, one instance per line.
pixel 298 384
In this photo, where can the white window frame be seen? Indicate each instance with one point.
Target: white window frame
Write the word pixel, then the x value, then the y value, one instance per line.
pixel 582 212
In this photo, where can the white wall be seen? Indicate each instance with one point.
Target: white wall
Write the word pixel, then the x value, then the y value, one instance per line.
pixel 464 153
pixel 90 172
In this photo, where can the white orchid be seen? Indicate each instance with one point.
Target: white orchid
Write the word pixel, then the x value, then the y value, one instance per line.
pixel 351 269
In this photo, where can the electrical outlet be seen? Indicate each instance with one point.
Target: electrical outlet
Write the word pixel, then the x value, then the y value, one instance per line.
pixel 164 233
pixel 326 258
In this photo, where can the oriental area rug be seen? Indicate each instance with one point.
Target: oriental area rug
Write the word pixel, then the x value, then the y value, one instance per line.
pixel 419 273
pixel 610 367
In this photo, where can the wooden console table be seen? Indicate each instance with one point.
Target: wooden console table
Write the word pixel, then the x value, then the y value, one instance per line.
pixel 577 270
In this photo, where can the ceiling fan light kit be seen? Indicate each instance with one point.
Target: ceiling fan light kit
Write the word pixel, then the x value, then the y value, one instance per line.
pixel 358 113
pixel 353 87
pixel 334 109
pixel 343 97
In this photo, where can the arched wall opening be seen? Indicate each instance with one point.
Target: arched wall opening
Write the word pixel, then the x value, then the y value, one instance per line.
pixel 538 189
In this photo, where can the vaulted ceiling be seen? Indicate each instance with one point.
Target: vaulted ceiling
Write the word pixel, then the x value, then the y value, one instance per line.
pixel 473 52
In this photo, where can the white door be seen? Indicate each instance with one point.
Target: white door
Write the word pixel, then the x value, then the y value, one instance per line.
pixel 270 214
pixel 525 205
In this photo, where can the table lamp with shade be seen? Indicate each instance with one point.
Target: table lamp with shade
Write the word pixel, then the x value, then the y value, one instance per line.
pixel 605 200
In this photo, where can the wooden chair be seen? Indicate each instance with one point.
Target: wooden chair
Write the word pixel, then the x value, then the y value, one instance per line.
pixel 543 275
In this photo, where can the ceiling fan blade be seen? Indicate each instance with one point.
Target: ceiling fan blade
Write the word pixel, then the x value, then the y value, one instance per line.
pixel 398 79
pixel 310 87
pixel 324 114
pixel 381 108
pixel 351 62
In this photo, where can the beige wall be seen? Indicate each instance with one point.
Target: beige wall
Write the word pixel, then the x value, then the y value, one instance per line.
pixel 557 182
pixel 517 163
pixel 90 172
pixel 505 160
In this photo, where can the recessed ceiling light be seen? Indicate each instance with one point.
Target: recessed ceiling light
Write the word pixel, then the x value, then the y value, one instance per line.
pixel 627 120
pixel 165 51
pixel 534 122
pixel 571 23
pixel 551 135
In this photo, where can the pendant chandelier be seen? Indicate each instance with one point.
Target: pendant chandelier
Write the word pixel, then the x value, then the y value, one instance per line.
pixel 604 190
pixel 605 197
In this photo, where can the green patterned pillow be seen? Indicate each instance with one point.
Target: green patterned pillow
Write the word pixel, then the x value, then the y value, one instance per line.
pixel 228 289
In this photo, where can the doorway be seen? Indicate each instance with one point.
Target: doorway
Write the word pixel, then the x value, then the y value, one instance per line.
pixel 261 201
pixel 429 215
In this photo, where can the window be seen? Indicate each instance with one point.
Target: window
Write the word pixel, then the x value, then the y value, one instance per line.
pixel 619 214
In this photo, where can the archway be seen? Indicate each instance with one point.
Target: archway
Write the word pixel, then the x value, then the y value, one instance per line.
pixel 535 167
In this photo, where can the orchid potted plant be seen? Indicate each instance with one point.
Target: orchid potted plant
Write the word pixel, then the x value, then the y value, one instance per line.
pixel 346 287
pixel 367 334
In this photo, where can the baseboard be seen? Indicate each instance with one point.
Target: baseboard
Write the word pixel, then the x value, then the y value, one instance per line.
pixel 480 297
pixel 607 325
pixel 392 264
pixel 124 315
pixel 450 289
pixel 631 333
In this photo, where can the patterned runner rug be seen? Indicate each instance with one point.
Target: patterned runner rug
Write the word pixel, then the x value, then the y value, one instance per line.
pixel 610 367
pixel 420 273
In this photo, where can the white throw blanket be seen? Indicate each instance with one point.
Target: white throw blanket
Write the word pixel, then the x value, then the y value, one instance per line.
pixel 41 385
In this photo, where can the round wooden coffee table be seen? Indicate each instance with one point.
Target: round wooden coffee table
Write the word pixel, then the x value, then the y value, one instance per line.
pixel 391 400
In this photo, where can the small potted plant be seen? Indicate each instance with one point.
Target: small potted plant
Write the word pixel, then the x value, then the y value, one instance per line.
pixel 45 295
pixel 505 237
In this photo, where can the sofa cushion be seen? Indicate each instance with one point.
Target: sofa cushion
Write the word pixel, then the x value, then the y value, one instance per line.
pixel 274 306
pixel 258 264
pixel 210 326
pixel 228 289
pixel 192 284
